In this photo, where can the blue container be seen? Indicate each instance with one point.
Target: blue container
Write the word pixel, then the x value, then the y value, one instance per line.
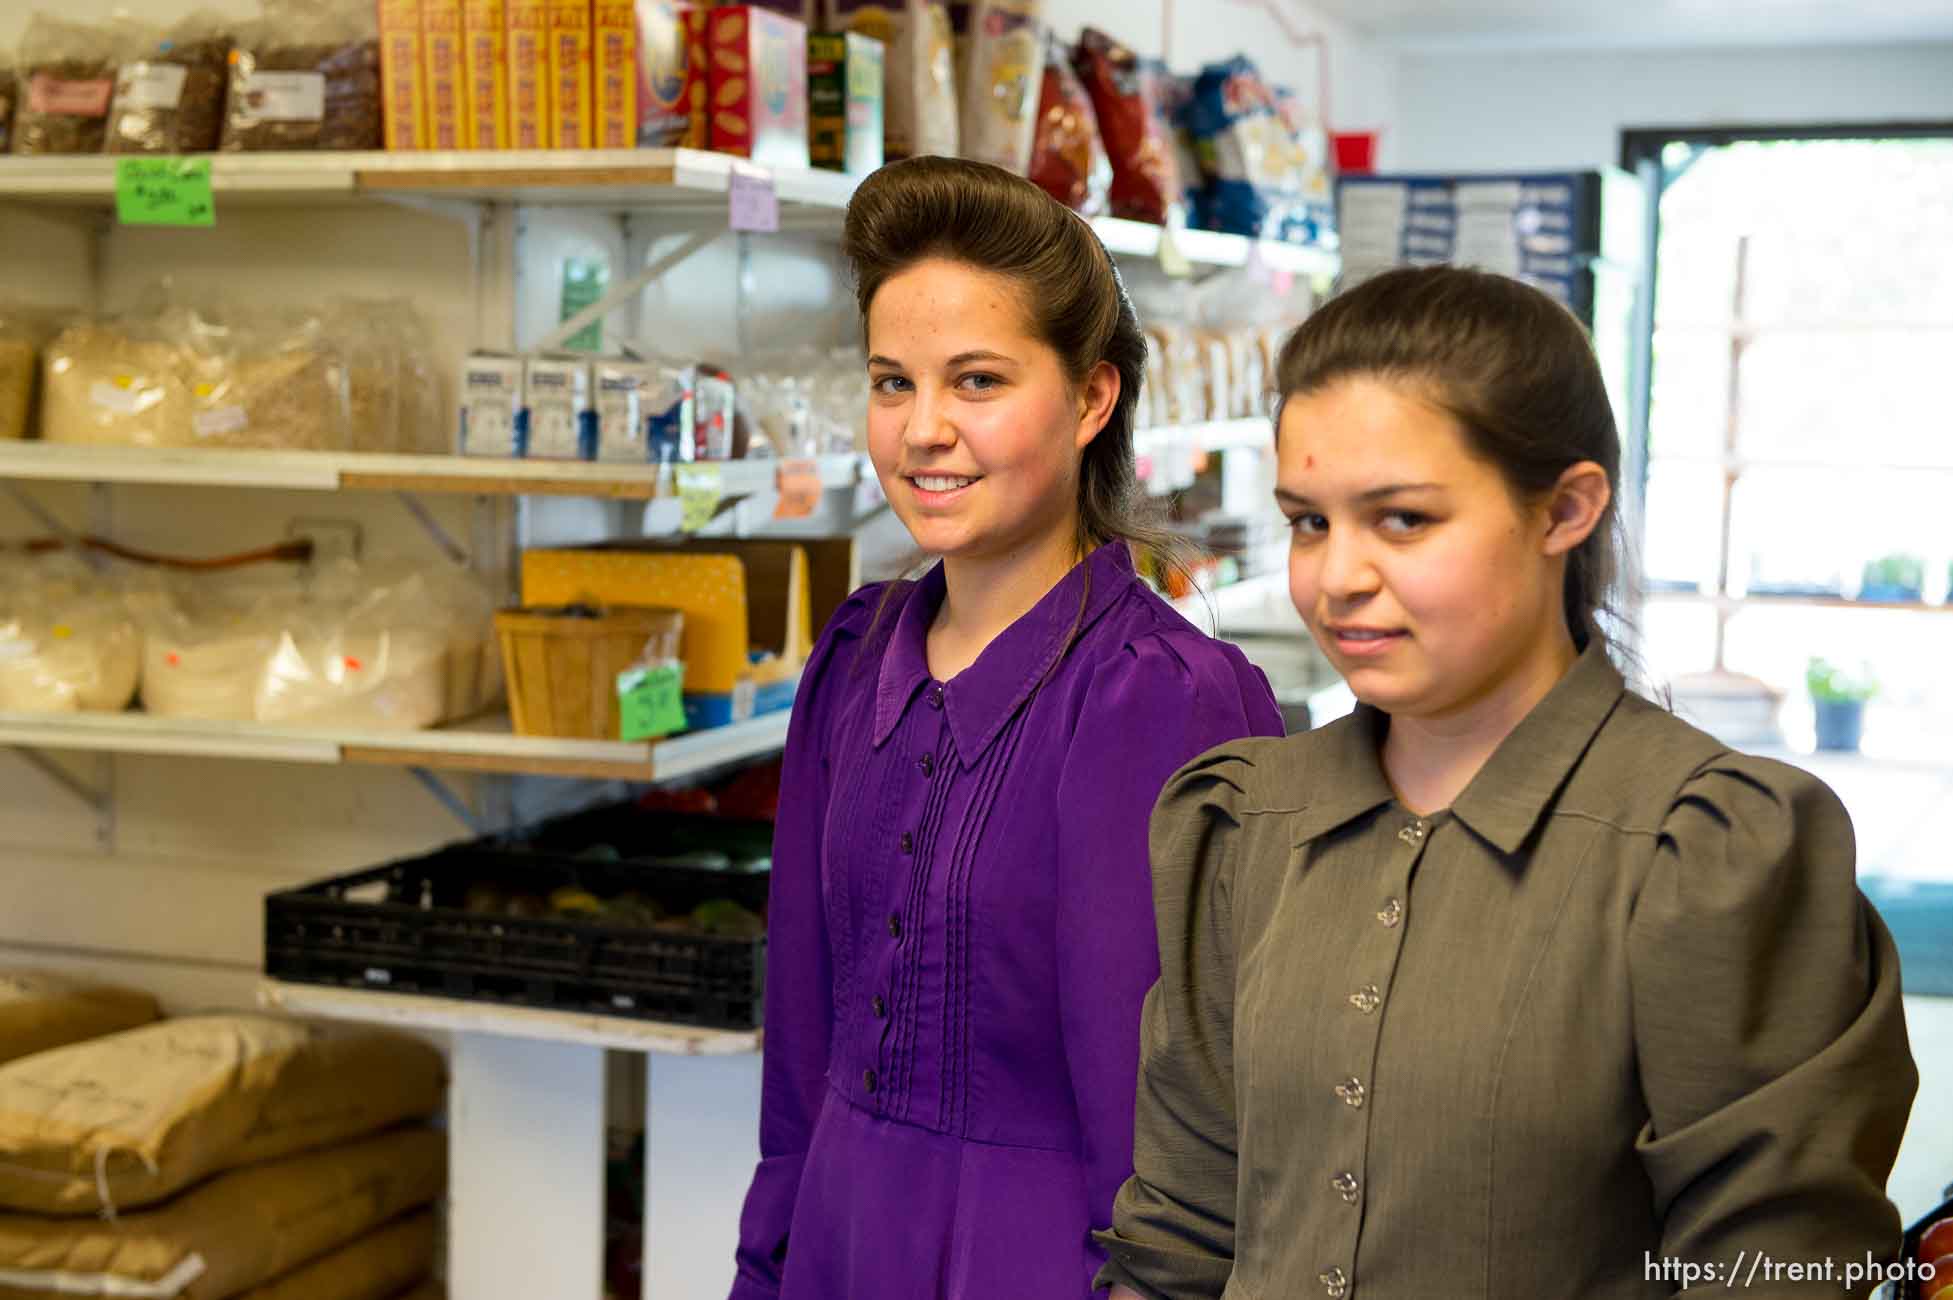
pixel 1840 724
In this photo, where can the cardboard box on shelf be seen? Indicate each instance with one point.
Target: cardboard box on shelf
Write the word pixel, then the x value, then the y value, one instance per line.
pixel 845 73
pixel 616 75
pixel 440 25
pixel 664 107
pixel 758 85
pixel 485 69
pixel 528 46
pixel 403 97
pixel 741 600
pixel 698 76
pixel 572 74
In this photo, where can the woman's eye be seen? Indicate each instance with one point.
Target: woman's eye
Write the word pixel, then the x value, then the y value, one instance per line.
pixel 889 385
pixel 1404 521
pixel 981 383
pixel 1308 525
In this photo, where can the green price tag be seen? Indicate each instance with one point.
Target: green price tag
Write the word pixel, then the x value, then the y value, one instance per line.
pixel 699 493
pixel 164 192
pixel 584 282
pixel 650 702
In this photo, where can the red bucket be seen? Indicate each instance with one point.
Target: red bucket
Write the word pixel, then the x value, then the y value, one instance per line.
pixel 1356 152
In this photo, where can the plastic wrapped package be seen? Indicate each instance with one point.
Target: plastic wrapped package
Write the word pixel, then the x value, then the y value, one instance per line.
pixel 1146 183
pixel 208 640
pixel 170 98
pixel 67 640
pixel 1067 157
pixel 67 80
pixel 1247 155
pixel 1184 385
pixel 920 110
pixel 1002 83
pixel 393 392
pixel 306 78
pixel 189 378
pixel 421 603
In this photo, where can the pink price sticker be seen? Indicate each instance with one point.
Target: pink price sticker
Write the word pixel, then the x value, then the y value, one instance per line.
pixel 799 483
pixel 755 205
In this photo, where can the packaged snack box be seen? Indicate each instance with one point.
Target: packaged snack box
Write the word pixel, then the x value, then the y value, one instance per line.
pixel 664 108
pixel 615 52
pixel 528 43
pixel 403 97
pixel 845 72
pixel 485 74
pixel 572 75
pixel 440 25
pixel 758 85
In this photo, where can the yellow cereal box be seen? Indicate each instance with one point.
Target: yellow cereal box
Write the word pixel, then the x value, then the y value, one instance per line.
pixel 440 27
pixel 528 74
pixel 485 74
pixel 403 98
pixel 616 74
pixel 572 70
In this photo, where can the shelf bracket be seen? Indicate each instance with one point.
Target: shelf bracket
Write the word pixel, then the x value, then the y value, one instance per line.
pixel 623 292
pixel 445 796
pixel 454 550
pixel 100 802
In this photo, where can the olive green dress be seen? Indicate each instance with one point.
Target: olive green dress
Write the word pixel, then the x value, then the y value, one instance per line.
pixel 1619 1008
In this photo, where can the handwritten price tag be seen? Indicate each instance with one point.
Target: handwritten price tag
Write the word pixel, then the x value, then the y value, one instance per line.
pixel 700 490
pixel 799 483
pixel 164 192
pixel 1172 260
pixel 650 701
pixel 755 204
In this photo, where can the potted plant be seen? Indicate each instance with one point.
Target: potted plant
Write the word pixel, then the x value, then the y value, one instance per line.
pixel 1897 577
pixel 1838 701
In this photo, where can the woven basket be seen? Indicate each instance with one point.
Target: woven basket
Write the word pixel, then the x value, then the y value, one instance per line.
pixel 562 667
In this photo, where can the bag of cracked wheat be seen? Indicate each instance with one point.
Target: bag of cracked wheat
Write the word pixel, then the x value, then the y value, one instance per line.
pixel 306 79
pixel 66 79
pixel 170 99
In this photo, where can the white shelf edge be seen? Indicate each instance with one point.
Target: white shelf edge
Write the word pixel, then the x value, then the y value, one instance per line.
pixel 1253 433
pixel 460 1015
pixel 1125 238
pixel 328 471
pixel 325 174
pixel 139 733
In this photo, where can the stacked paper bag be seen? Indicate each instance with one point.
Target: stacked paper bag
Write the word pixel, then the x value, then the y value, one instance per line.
pixel 221 1156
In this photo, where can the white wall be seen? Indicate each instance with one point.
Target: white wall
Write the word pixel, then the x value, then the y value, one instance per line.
pixel 1489 112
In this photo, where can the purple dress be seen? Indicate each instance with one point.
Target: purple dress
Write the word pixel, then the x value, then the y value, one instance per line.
pixel 961 935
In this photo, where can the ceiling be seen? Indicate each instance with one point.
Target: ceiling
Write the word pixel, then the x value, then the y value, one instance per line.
pixel 1418 25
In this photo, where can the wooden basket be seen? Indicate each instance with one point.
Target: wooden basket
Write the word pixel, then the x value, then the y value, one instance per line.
pixel 562 668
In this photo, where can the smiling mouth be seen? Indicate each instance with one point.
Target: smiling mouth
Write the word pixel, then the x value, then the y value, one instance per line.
pixel 940 483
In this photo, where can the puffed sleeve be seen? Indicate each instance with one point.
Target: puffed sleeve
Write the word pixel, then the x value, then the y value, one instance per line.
pixel 1162 700
pixel 799 973
pixel 1172 1231
pixel 1768 1028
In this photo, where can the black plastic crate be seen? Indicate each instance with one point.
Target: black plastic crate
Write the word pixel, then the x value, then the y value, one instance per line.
pixel 403 927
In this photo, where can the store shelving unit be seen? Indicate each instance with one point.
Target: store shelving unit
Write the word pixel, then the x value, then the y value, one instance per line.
pixel 527 1109
pixel 371 472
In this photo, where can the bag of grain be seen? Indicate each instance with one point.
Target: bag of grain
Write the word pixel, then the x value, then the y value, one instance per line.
pixel 132 1119
pixel 377 1266
pixel 169 98
pixel 41 1011
pixel 240 1230
pixel 66 81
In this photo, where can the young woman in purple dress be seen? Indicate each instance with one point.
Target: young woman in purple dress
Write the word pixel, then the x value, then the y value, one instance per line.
pixel 962 913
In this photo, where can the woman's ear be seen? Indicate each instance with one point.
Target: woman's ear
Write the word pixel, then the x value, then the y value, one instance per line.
pixel 1575 506
pixel 1096 400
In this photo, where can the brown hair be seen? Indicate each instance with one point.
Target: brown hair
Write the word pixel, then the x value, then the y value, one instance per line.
pixel 989 219
pixel 1513 367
